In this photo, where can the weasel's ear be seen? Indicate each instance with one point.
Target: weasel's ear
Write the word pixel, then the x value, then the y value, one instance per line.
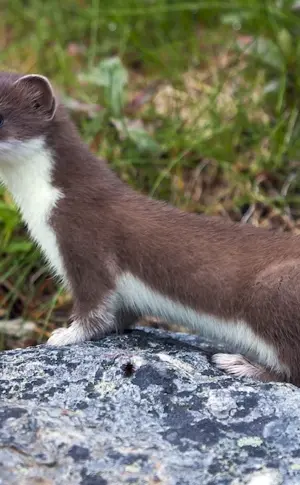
pixel 41 93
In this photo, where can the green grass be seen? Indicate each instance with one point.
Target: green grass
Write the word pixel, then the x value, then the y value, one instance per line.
pixel 198 103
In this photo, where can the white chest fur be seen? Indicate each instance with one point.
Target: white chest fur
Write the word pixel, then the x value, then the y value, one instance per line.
pixel 26 169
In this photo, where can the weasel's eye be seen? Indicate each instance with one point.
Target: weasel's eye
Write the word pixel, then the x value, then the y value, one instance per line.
pixel 1 120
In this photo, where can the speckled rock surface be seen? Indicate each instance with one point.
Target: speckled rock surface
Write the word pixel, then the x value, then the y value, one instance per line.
pixel 143 408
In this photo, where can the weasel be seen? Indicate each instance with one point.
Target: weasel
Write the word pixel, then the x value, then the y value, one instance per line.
pixel 124 255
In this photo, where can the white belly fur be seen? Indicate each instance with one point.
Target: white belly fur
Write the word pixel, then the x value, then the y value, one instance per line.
pixel 134 294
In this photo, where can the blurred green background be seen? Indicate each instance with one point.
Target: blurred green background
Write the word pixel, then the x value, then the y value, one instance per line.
pixel 195 102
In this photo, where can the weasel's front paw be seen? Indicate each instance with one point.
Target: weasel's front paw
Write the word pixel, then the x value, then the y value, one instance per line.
pixel 68 336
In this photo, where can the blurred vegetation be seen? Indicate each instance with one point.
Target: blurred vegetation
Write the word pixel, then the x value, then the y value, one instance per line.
pixel 196 102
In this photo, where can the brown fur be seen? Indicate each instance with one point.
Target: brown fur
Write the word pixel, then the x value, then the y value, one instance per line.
pixel 103 227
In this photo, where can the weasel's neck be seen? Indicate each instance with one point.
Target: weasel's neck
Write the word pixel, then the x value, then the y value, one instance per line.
pixel 29 179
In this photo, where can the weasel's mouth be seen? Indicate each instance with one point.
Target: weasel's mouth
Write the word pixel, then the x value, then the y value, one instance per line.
pixel 12 150
pixel 8 150
pixel 6 146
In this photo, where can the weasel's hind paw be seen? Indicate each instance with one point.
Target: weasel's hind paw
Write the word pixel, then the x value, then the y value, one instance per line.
pixel 239 366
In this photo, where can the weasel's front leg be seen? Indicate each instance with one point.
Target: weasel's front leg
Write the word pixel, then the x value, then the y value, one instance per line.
pixel 107 318
pixel 82 330
pixel 95 324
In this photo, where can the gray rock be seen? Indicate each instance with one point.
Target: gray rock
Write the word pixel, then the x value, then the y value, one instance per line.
pixel 143 408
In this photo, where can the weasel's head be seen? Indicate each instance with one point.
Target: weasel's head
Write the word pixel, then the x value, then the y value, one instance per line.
pixel 27 108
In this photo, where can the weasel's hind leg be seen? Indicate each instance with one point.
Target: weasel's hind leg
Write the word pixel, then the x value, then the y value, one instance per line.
pixel 239 366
